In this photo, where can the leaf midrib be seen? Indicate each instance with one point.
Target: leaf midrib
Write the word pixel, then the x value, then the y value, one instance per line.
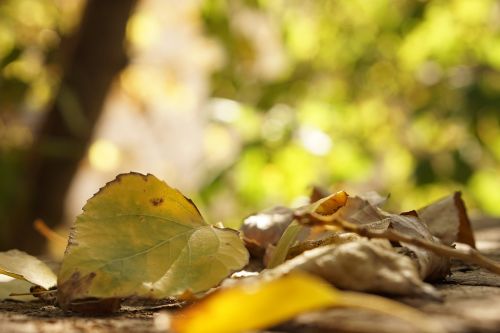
pixel 203 223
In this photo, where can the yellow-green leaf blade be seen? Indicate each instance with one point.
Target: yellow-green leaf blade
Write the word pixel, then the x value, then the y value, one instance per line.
pixel 138 236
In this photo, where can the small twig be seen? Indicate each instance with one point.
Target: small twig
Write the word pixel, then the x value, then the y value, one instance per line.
pixel 35 293
pixel 471 255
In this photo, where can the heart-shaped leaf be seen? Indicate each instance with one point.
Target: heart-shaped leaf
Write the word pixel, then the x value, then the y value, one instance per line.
pixel 138 236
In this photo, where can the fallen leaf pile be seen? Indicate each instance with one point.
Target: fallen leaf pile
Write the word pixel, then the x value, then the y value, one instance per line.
pixel 138 237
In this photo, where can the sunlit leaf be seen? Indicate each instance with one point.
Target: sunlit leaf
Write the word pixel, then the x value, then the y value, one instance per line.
pixel 263 303
pixel 22 266
pixel 257 305
pixel 138 236
pixel 331 203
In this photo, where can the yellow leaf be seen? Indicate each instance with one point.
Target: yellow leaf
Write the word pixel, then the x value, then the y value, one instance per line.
pixel 331 203
pixel 264 303
pixel 256 305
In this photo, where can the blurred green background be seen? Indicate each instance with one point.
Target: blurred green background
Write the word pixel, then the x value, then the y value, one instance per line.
pixel 247 104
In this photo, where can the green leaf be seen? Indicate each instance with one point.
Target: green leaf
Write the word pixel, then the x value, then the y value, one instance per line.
pixel 22 266
pixel 284 244
pixel 324 206
pixel 138 236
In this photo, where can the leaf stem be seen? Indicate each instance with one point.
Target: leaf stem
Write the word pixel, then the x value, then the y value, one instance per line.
pixel 34 293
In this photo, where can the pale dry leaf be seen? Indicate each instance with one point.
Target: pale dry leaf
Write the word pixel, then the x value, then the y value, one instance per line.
pixel 10 285
pixel 430 265
pixel 374 198
pixel 361 265
pixel 265 228
pixel 358 211
pixel 20 265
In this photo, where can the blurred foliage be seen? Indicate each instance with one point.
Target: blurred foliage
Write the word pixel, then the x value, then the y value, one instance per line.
pixel 397 96
pixel 30 33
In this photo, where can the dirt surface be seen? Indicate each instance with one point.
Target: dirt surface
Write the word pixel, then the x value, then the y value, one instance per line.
pixel 470 303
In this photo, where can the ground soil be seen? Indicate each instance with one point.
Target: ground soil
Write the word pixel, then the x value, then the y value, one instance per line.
pixel 471 303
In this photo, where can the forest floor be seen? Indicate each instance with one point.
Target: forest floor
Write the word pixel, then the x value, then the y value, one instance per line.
pixel 471 303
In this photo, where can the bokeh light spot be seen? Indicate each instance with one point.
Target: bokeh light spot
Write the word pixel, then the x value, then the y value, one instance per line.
pixel 104 155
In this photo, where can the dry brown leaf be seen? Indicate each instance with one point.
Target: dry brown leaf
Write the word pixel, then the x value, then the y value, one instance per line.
pixel 447 219
pixel 374 198
pixel 317 193
pixel 361 212
pixel 362 265
pixel 430 265
pixel 265 228
pixel 466 253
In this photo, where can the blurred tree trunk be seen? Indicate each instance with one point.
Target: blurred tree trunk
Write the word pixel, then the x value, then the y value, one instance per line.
pixel 96 56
